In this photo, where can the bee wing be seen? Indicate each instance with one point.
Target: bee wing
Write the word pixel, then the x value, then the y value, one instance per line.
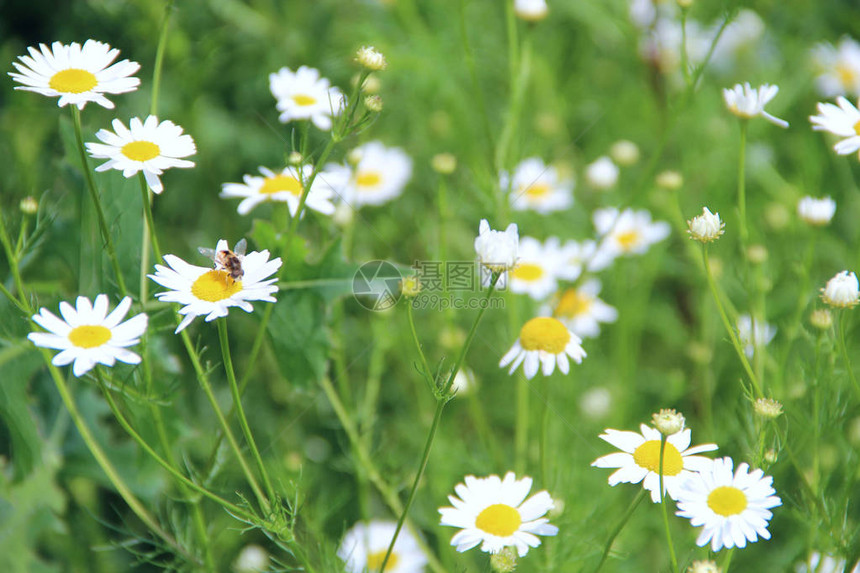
pixel 240 247
pixel 207 252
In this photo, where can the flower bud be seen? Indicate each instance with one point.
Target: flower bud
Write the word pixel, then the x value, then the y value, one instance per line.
pixel 668 421
pixel 706 227
pixel 842 291
pixel 369 58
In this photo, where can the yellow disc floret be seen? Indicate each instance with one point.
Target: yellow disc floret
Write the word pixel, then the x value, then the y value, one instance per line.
pixel 648 456
pixel 572 304
pixel 304 100
pixel 73 81
pixel 215 285
pixel 528 272
pixel 499 519
pixel 727 500
pixel 544 333
pixel 374 561
pixel 89 336
pixel 368 178
pixel 141 150
pixel 280 183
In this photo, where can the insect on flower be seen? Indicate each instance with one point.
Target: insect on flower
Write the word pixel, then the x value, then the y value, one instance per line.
pixel 227 260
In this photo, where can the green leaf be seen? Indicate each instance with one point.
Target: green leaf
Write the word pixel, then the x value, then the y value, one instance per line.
pixel 330 277
pixel 18 364
pixel 298 335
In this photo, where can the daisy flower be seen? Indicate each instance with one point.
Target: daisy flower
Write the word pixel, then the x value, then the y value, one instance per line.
pixel 75 74
pixel 746 102
pixel 753 334
pixel 285 187
pixel 639 459
pixel 537 186
pixel 497 250
pixel 602 174
pixel 732 508
pixel 706 227
pixel 495 513
pixel 818 563
pixel 87 335
pixel 147 146
pixel 580 310
pixel 211 291
pixel 841 121
pixel 838 67
pixel 364 547
pixel 842 291
pixel 303 94
pixel 627 232
pixel 534 273
pixel 816 212
pixel 571 258
pixel 544 341
pixel 378 174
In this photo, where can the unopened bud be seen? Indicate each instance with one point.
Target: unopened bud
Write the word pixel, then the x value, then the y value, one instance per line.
pixel 505 561
pixel 368 57
pixel 444 163
pixel 373 103
pixel 29 205
pixel 670 180
pixel 668 421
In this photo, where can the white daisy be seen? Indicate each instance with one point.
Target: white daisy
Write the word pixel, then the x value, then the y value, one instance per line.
pixel 285 186
pixel 537 186
pixel 838 67
pixel 497 250
pixel 544 341
pixel 364 547
pixel 75 74
pixel 571 258
pixel 816 211
pixel 752 334
pixel 842 121
pixel 580 310
pixel 147 146
pixel 534 273
pixel 87 335
pixel 732 508
pixel 495 513
pixel 303 94
pixel 706 227
pixel 379 174
pixel 211 291
pixel 626 233
pixel 746 102
pixel 842 291
pixel 818 563
pixel 639 460
pixel 602 173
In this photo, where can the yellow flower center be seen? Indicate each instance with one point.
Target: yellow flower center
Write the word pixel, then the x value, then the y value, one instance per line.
pixel 527 272
pixel 572 304
pixel 368 178
pixel 727 500
pixel 499 519
pixel 537 190
pixel 89 336
pixel 847 77
pixel 544 333
pixel 141 150
pixel 215 285
pixel 628 239
pixel 374 560
pixel 73 81
pixel 857 128
pixel 304 100
pixel 280 183
pixel 648 456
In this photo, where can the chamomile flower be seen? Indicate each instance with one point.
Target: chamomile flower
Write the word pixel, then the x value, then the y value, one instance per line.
pixel 580 310
pixel 623 233
pixel 733 508
pixel 639 460
pixel 752 334
pixel 212 291
pixel 707 227
pixel 572 257
pixel 87 335
pixel 364 547
pixel 602 174
pixel 818 563
pixel 378 174
pixel 285 187
pixel 495 513
pixel 303 94
pixel 76 74
pixel 534 274
pixel 147 146
pixel 816 211
pixel 535 185
pixel 497 250
pixel 842 291
pixel 746 102
pixel 544 341
pixel 838 67
pixel 841 121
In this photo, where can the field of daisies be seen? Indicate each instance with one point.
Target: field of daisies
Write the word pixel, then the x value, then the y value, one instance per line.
pixel 435 286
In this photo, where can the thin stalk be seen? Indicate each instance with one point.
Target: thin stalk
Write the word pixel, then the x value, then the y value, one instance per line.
pixel 672 556
pixel 728 561
pixel 623 522
pixel 159 57
pixel 742 193
pixel 94 195
pixel 731 331
pixel 542 444
pixel 841 317
pixel 428 374
pixel 237 405
pixel 469 58
pixel 442 398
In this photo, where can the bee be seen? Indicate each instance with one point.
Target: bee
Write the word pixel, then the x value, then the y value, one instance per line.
pixel 227 260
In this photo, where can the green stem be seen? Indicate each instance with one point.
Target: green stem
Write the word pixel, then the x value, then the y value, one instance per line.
pixel 159 57
pixel 728 561
pixel 742 194
pixel 843 349
pixel 544 432
pixel 672 556
pixel 624 519
pixel 94 195
pixel 237 405
pixel 728 326
pixel 442 398
pixel 428 374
